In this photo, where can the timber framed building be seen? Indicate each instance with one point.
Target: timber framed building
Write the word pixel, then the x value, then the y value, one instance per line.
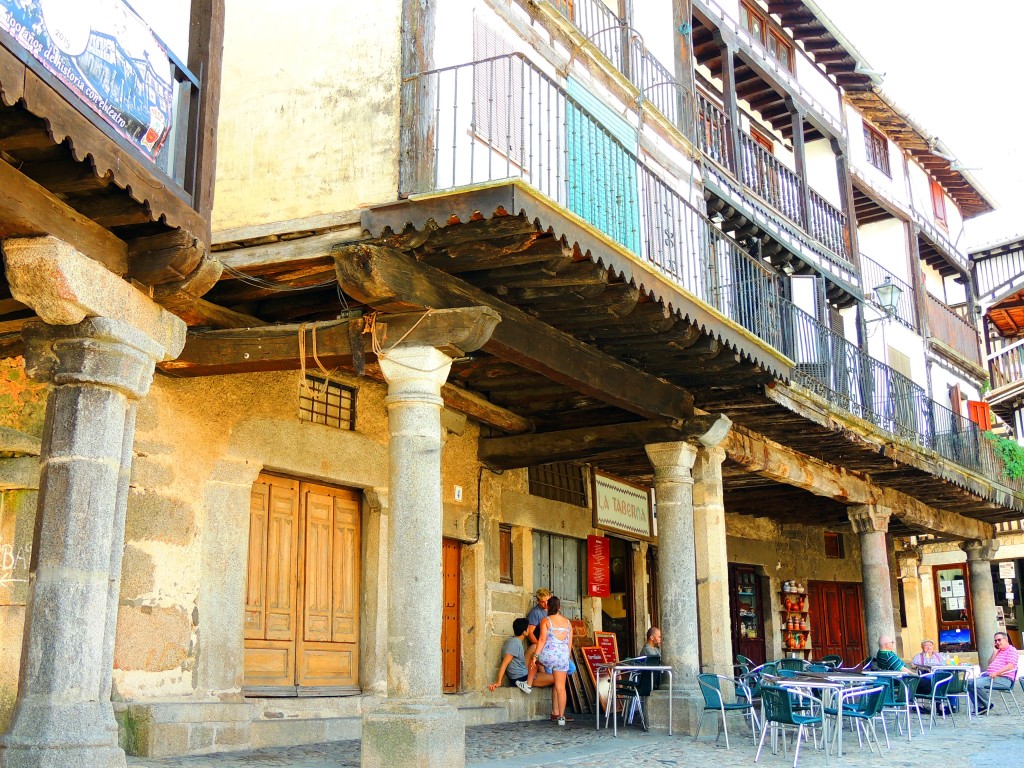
pixel 509 255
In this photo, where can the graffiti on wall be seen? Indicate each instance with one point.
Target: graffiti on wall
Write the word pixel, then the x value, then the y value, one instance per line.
pixel 14 561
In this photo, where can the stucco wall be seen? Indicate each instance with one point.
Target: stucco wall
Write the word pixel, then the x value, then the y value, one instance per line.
pixel 305 127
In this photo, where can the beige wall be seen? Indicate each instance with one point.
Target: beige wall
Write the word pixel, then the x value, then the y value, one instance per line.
pixel 306 127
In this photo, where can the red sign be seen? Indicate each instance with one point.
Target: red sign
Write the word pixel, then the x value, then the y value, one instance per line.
pixel 599 566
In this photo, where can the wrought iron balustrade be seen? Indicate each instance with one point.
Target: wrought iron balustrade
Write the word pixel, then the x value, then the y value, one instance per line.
pixel 602 27
pixel 771 179
pixel 874 274
pixel 952 329
pixel 658 85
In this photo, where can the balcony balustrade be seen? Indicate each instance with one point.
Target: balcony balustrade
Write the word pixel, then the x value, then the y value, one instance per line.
pixel 765 175
pixel 502 118
pixel 949 326
pixel 874 274
pixel 1006 366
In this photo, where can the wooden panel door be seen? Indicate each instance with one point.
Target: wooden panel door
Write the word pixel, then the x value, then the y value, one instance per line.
pixel 302 590
pixel 451 656
pixel 837 620
pixel 852 607
pixel 270 615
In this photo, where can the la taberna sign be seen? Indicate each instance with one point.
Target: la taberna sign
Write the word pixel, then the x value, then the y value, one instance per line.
pixel 622 507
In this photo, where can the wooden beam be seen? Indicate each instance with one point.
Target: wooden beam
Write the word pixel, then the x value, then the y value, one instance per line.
pixel 29 210
pixel 199 312
pixel 586 442
pixel 276 348
pixel 390 281
pixel 770 459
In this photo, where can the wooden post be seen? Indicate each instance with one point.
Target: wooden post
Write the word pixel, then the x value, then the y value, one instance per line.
pixel 416 141
pixel 205 57
pixel 800 155
pixel 729 101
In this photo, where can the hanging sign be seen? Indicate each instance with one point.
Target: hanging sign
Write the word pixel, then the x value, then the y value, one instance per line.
pixel 622 507
pixel 104 52
pixel 599 566
pixel 1007 569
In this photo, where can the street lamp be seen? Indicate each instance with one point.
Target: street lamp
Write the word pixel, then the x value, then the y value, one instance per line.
pixel 887 295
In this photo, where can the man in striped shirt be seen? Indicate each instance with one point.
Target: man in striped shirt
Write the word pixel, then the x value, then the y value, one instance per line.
pixel 886 657
pixel 1001 672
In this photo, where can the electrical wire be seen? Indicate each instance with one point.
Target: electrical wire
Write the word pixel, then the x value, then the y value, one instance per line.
pixel 274 285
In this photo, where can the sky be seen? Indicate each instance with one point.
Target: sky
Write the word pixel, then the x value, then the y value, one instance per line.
pixel 953 67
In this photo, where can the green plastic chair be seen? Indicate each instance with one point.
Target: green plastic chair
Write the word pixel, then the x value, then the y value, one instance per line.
pixel 863 708
pixel 798 665
pixel 779 715
pixel 714 701
pixel 936 695
pixel 832 660
pixel 901 699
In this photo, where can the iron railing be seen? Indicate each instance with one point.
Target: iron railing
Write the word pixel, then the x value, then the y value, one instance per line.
pixel 939 238
pixel 874 274
pixel 602 27
pixel 502 118
pixel 1006 365
pixel 658 85
pixel 949 327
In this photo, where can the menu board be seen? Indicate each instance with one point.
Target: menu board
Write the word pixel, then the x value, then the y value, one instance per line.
pixel 609 646
pixel 594 656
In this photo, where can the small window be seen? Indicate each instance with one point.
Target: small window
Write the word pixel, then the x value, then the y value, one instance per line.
pixel 877 147
pixel 322 401
pixel 834 549
pixel 755 22
pixel 939 203
pixel 505 553
pixel 560 481
pixel 781 49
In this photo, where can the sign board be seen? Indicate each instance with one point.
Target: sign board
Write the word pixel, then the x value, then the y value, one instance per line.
pixel 599 566
pixel 609 646
pixel 1007 569
pixel 593 656
pixel 622 507
pixel 107 55
pixel 1000 618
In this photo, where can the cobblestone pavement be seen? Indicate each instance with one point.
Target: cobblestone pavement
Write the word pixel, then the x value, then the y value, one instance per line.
pixel 993 741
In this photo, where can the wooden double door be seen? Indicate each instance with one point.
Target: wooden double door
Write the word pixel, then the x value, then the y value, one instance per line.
pixel 837 620
pixel 302 590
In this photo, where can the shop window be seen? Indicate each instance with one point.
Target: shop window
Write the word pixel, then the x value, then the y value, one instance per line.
pixel 559 563
pixel 953 599
pixel 834 547
pixel 877 148
pixel 322 401
pixel 505 553
pixel 560 481
pixel 938 203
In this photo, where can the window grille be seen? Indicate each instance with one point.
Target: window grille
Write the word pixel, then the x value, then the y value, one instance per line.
pixel 560 481
pixel 505 553
pixel 322 401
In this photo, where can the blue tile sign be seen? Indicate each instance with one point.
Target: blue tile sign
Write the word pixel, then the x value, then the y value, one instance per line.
pixel 104 52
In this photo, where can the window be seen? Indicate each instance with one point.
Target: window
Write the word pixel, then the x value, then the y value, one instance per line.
pixel 953 598
pixel 322 401
pixel 505 553
pixel 758 25
pixel 763 140
pixel 834 548
pixel 780 49
pixel 939 203
pixel 499 96
pixel 877 147
pixel 559 564
pixel 979 413
pixel 755 22
pixel 561 481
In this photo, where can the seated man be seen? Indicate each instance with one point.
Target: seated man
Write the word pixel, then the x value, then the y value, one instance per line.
pixel 653 646
pixel 513 662
pixel 886 658
pixel 1001 672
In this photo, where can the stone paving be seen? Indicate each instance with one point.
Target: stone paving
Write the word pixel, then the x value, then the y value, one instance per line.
pixel 995 740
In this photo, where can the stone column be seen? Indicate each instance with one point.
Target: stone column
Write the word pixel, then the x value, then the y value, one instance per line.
pixel 677 583
pixel 872 523
pixel 716 652
pixel 983 599
pixel 98 370
pixel 414 727
pixel 910 574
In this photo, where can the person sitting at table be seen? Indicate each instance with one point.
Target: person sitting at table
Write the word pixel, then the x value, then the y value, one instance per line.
pixel 886 658
pixel 653 645
pixel 928 657
pixel 1001 672
pixel 513 662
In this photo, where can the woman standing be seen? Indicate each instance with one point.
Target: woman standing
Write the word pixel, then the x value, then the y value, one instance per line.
pixel 553 652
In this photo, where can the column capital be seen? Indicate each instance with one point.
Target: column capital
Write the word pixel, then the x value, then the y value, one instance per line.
pixel 97 351
pixel 672 462
pixel 909 561
pixel 980 549
pixel 868 518
pixel 415 373
pixel 65 287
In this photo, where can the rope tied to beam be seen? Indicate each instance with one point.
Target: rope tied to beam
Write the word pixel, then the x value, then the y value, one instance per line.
pixel 311 391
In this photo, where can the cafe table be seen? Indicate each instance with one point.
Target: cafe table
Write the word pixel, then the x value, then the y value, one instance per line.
pixel 973 672
pixel 614 672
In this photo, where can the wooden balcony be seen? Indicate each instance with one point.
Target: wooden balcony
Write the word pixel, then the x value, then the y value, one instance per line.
pixel 110 154
pixel 953 331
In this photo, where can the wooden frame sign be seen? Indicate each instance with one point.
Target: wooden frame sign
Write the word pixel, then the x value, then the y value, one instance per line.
pixel 609 646
pixel 593 656
pixel 622 507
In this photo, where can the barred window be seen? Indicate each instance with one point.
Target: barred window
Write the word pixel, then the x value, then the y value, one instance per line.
pixel 322 401
pixel 560 481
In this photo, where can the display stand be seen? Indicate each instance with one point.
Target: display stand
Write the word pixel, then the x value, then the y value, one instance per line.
pixel 795 620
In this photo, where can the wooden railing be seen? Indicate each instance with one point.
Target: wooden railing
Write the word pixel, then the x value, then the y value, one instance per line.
pixel 713 131
pixel 827 224
pixel 946 324
pixel 768 177
pixel 1006 366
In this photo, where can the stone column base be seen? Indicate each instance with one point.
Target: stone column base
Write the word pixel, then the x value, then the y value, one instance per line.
pixel 686 708
pixel 78 735
pixel 429 734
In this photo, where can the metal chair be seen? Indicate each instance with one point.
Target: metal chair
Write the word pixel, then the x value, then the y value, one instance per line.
pixel 900 700
pixel 864 707
pixel 779 714
pixel 957 689
pixel 832 660
pixel 936 694
pixel 797 665
pixel 714 701
pixel 1003 693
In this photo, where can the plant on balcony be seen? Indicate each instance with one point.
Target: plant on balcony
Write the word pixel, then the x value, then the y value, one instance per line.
pixel 1010 453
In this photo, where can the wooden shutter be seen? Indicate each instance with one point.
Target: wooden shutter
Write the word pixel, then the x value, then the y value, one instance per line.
pixel 451 557
pixel 954 400
pixel 979 413
pixel 256 576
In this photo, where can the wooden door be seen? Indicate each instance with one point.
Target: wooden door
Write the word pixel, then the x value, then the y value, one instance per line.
pixel 302 591
pixel 837 620
pixel 451 656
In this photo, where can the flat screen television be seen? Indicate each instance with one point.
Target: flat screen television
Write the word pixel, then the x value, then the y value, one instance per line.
pixel 955 640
